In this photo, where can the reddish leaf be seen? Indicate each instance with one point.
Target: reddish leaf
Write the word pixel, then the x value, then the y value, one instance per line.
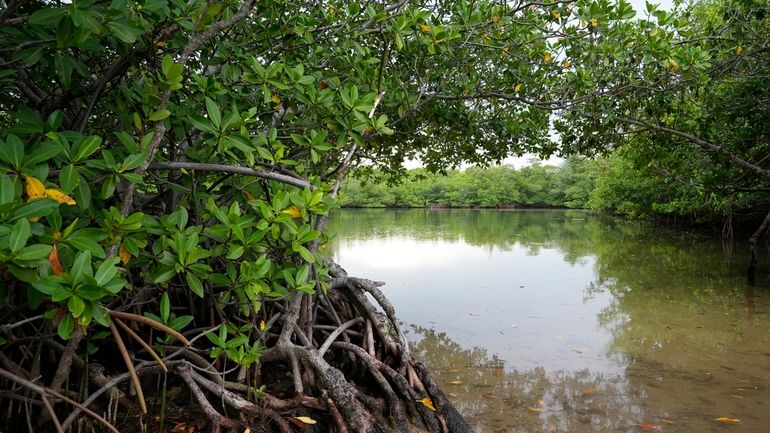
pixel 648 426
pixel 53 259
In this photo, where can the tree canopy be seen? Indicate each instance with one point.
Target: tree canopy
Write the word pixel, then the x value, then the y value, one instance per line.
pixel 167 167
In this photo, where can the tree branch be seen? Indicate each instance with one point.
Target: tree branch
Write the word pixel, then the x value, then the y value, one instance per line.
pixel 265 174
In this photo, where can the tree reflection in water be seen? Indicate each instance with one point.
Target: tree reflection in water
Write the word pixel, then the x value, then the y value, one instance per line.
pixel 676 339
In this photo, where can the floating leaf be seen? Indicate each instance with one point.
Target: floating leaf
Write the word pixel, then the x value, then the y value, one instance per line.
pixel 668 421
pixel 306 419
pixel 489 395
pixel 727 420
pixel 426 401
pixel 535 409
pixel 60 197
pixel 648 426
pixel 578 351
pixel 34 188
pixel 456 382
pixel 53 259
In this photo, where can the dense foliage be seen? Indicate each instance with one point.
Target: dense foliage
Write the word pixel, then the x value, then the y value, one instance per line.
pixel 567 185
pixel 170 164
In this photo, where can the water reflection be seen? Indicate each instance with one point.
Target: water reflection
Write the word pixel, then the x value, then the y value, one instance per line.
pixel 560 322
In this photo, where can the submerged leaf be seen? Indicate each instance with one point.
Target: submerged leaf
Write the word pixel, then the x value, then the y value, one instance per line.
pixel 648 426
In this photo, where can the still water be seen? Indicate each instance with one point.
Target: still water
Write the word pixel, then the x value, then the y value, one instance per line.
pixel 558 321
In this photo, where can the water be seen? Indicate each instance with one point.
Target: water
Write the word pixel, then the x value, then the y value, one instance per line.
pixel 557 321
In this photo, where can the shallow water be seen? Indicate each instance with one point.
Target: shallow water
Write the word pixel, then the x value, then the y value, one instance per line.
pixel 557 321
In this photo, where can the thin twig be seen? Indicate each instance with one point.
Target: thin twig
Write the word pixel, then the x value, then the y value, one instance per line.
pixel 130 367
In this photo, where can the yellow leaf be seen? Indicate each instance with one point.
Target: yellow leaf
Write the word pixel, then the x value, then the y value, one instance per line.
pixel 425 28
pixel 34 188
pixel 294 211
pixel 517 88
pixel 124 255
pixel 547 57
pixel 60 197
pixel 456 382
pixel 249 196
pixel 583 24
pixel 535 409
pixel 426 401
pixel 654 32
pixel 739 50
pixel 261 325
pixel 727 420
pixel 555 14
pixel 495 19
pixel 275 99
pixel 594 22
pixel 305 419
pixel 565 64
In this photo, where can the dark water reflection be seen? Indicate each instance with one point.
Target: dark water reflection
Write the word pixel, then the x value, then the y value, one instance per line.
pixel 557 321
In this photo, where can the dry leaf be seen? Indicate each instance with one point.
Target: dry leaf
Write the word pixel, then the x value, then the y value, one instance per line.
pixel 53 259
pixel 60 197
pixel 648 426
pixel 489 395
pixel 34 188
pixel 535 409
pixel 305 419
pixel 453 370
pixel 124 255
pixel 294 211
pixel 727 420
pixel 668 421
pixel 426 401
pixel 456 382
pixel 589 390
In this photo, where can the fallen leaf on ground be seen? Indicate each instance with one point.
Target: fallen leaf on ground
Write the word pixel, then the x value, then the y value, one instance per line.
pixel 305 419
pixel 648 426
pixel 726 420
pixel 426 401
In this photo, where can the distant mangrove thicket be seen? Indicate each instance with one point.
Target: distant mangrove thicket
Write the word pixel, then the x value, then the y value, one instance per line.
pixel 568 185
pixel 622 183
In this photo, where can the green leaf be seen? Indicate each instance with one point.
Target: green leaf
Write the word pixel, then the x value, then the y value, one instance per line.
pixel 133 161
pixel 159 115
pixel 195 283
pixel 82 265
pixel 44 153
pixel 124 30
pixel 84 147
pixel 76 306
pixel 34 252
pixel 36 208
pixel 7 190
pixel 234 252
pixel 106 271
pixel 12 151
pixel 69 178
pixel 85 244
pixel 65 328
pixel 19 235
pixel 213 111
pixel 46 17
pixel 165 307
